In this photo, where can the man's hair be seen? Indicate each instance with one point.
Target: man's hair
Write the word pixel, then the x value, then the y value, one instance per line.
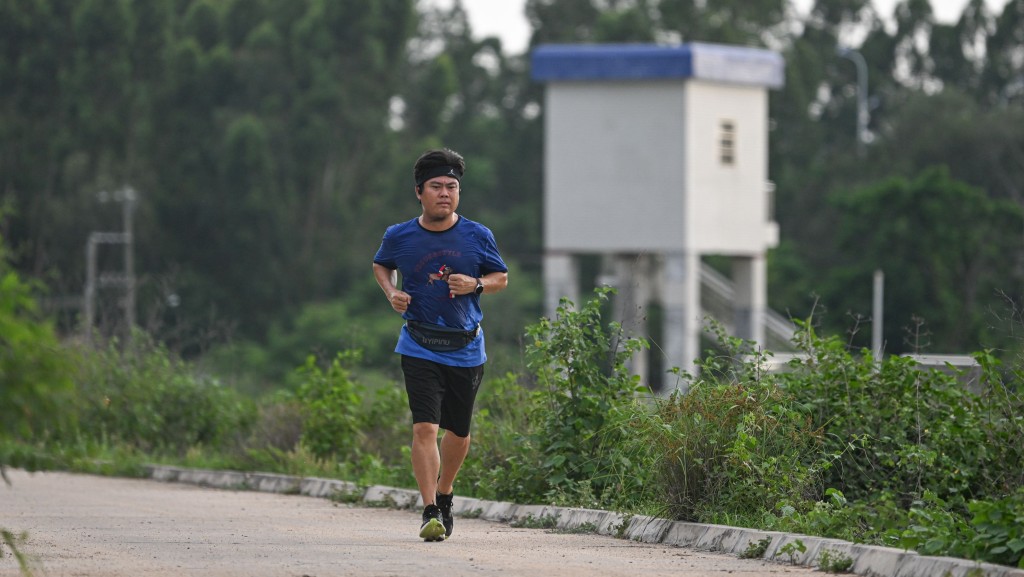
pixel 432 159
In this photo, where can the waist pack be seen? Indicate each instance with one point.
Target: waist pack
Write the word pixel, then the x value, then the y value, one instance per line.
pixel 440 339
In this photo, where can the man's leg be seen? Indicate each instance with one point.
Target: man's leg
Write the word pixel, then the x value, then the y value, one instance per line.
pixel 426 460
pixel 453 453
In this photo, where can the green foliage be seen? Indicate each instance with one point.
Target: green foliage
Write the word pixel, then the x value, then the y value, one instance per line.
pixel 531 522
pixel 15 543
pixel 993 532
pixel 579 366
pixel 833 562
pixel 999 530
pixel 756 549
pixel 34 370
pixel 735 442
pixel 140 395
pixel 342 422
pixel 500 421
pixel 322 329
pixel 893 226
pixel 733 448
pixel 793 549
pixel 332 403
pixel 901 429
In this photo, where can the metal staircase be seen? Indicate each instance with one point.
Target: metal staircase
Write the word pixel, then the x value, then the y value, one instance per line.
pixel 717 296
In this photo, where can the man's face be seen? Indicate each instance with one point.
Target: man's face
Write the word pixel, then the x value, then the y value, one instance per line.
pixel 439 197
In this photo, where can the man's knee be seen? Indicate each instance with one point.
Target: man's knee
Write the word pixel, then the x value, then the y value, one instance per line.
pixel 425 432
pixel 456 439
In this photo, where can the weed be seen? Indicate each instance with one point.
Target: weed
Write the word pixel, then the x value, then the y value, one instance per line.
pixel 13 542
pixel 581 529
pixel 473 514
pixel 620 529
pixel 348 497
pixel 792 549
pixel 834 562
pixel 387 502
pixel 756 549
pixel 531 522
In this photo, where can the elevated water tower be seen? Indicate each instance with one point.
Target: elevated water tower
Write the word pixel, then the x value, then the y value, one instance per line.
pixel 657 155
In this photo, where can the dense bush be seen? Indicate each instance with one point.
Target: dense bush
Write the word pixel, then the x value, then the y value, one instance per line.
pixel 904 430
pixel 138 394
pixel 500 420
pixel 731 448
pixel 34 369
pixel 579 366
pixel 343 421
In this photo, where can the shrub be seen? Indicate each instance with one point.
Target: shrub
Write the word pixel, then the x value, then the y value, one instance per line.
pixel 142 396
pixel 734 448
pixel 580 370
pixel 343 422
pixel 332 402
pixel 736 442
pixel 34 370
pixel 899 428
pixel 999 530
pixel 499 423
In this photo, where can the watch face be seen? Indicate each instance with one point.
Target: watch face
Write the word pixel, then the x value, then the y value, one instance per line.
pixel 479 287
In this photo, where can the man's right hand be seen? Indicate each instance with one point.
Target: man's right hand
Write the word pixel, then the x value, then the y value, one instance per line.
pixel 400 301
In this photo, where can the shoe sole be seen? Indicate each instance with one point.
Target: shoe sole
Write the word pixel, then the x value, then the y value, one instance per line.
pixel 433 530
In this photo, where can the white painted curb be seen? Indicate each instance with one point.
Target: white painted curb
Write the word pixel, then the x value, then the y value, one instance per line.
pixel 870 561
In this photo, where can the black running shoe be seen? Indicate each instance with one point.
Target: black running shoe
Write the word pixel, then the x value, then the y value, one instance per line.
pixel 444 502
pixel 432 528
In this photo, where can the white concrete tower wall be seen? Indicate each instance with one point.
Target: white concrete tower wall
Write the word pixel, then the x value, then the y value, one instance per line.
pixel 660 150
pixel 561 279
pixel 726 137
pixel 614 163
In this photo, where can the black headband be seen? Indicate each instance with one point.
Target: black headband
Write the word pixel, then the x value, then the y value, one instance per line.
pixel 440 170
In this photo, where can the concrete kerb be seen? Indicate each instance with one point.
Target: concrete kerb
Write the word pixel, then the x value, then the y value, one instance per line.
pixel 798 549
pixel 869 561
pixel 875 561
pixel 647 529
pixel 683 534
pixel 326 488
pixel 923 566
pixel 401 498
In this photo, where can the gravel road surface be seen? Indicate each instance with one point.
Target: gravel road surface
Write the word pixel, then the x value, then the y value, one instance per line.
pixel 82 525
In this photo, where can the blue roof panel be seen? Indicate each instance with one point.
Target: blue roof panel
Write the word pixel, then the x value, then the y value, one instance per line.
pixel 623 62
pixel 610 61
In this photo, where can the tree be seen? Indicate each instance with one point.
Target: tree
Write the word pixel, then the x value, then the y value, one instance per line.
pixel 34 371
pixel 944 246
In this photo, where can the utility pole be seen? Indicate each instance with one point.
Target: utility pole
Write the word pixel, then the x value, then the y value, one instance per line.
pixel 877 310
pixel 93 280
pixel 863 114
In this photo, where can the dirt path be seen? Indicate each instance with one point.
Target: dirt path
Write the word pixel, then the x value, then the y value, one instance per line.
pixel 81 525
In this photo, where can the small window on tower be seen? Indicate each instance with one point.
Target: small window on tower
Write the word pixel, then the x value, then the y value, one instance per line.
pixel 727 142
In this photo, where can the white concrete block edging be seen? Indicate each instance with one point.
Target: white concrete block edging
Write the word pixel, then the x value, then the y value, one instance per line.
pixel 870 561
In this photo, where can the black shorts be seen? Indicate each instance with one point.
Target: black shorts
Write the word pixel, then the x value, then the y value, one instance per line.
pixel 441 394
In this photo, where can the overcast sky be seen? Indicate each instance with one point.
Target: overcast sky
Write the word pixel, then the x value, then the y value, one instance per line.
pixel 504 18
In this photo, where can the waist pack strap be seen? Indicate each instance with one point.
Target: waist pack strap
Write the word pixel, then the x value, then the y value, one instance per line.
pixel 438 338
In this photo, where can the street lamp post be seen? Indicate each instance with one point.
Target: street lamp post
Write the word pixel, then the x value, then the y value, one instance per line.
pixel 863 115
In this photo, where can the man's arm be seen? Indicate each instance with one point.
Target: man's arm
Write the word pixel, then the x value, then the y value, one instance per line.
pixel 463 284
pixel 494 282
pixel 387 279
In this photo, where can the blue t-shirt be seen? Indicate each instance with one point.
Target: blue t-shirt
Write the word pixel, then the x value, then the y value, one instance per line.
pixel 426 258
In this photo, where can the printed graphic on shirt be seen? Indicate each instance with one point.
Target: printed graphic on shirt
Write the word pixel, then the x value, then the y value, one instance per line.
pixel 442 274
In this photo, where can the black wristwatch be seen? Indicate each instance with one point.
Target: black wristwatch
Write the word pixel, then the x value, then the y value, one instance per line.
pixel 479 286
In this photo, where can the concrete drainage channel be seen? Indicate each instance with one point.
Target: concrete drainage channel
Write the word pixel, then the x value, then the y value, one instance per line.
pixel 804 550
